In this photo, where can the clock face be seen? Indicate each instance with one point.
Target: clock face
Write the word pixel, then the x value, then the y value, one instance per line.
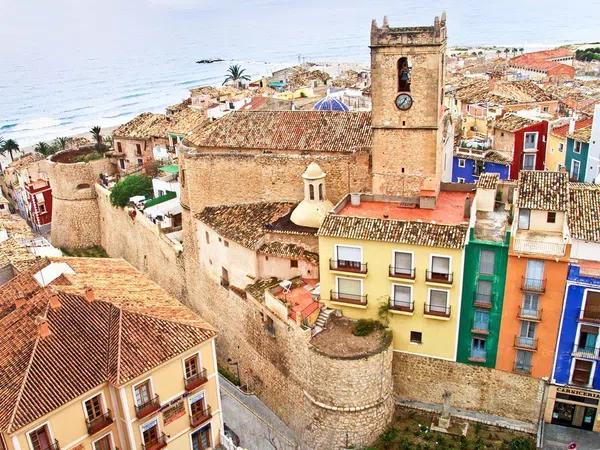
pixel 404 102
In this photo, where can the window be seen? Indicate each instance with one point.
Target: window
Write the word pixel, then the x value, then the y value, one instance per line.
pixel 530 141
pixel 321 195
pixel 119 148
pixel 140 162
pixel 526 336
pixel 486 262
pixel 207 237
pixel 104 443
pixel 122 164
pixel 478 348
pixel 401 296
pixel 531 304
pixel 438 301
pixel 224 277
pixel 577 147
pixel 270 326
pixel 403 264
pixel 182 171
pixel 461 162
pixel 440 268
pixel 460 180
pixel 524 215
pixel 138 149
pixel 561 147
pixel 523 361
pixel 581 372
pixel 534 273
pixel 575 167
pixel 201 438
pixel 416 337
pixel 349 257
pixel 545 109
pixel 40 438
pixel 150 433
pixel 484 292
pixel 143 393
pixel 294 263
pixel 403 75
pixel 349 287
pixel 192 367
pixel 551 218
pixel 591 311
pixel 93 407
pixel 311 191
pixel 588 337
pixel 529 162
pixel 42 208
pixel 481 320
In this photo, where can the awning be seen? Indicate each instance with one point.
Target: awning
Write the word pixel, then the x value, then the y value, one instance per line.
pixel 173 168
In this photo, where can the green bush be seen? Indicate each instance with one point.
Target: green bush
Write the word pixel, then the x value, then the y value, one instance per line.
pixel 89 157
pixel 520 443
pixel 364 327
pixel 129 187
pixel 226 373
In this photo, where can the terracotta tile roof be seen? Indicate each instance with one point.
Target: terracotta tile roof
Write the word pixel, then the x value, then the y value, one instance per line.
pixel 144 126
pixel 583 134
pixel 15 226
pixel 288 251
pixel 502 92
pixel 543 60
pixel 584 211
pixel 185 120
pixel 513 122
pixel 91 343
pixel 401 231
pixel 243 223
pixel 488 181
pixel 318 131
pixel 15 254
pixel 545 190
pixel 563 130
pixel 26 160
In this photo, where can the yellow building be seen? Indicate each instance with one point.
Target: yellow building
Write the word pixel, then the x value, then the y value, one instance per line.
pixel 556 148
pixel 385 259
pixel 95 356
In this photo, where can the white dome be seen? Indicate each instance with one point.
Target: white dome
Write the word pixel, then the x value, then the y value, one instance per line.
pixel 313 172
pixel 311 213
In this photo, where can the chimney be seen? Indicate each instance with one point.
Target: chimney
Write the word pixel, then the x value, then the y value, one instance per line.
pixel 467 210
pixel 54 301
pixel 42 326
pixel 20 302
pixel 571 125
pixel 90 295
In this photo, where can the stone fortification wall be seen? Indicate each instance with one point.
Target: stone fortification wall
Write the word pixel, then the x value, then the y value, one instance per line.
pixel 75 214
pixel 140 242
pixel 227 178
pixel 476 388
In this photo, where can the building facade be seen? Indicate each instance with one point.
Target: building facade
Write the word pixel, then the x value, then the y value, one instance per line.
pixel 467 168
pixel 39 204
pixel 577 156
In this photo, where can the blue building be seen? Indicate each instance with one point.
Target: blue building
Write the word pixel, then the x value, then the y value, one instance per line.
pixel 466 167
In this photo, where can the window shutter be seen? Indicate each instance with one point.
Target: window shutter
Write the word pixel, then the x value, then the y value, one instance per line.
pixel 348 253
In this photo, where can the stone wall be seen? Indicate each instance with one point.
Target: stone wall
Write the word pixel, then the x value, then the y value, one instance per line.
pixel 473 387
pixel 75 214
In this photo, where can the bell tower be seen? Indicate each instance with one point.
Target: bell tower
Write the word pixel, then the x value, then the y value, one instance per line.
pixel 407 83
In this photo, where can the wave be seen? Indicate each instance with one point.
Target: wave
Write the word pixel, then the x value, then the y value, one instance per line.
pixel 8 126
pixel 137 94
pixel 39 123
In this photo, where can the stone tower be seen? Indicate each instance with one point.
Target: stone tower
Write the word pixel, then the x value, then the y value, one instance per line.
pixel 407 76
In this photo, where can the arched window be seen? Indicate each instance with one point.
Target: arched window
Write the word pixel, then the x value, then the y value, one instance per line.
pixel 311 191
pixel 403 75
pixel 320 191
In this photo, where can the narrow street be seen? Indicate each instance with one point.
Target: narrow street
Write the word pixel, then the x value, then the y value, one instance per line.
pixel 256 425
pixel 557 437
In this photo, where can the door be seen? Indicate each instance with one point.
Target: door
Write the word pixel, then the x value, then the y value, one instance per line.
pixel 534 275
pixel 40 438
pixel 575 167
pixel 201 439
pixel 589 415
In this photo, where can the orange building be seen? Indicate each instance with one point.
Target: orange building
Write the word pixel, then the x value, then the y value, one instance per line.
pixel 536 274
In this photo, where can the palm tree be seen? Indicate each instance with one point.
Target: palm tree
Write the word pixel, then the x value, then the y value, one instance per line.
pixel 61 142
pixel 506 52
pixel 498 52
pixel 521 50
pixel 96 134
pixel 235 73
pixel 108 141
pixel 44 148
pixel 10 146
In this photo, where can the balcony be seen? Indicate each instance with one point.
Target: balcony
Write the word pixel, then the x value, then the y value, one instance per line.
pixel 480 327
pixel 199 417
pixel 548 245
pixel 522 368
pixel 526 342
pixel 482 300
pixel 352 299
pixel 399 272
pixel 592 316
pixel 342 265
pixel 52 446
pixel 530 314
pixel 99 423
pixel 397 305
pixel 145 409
pixel 439 311
pixel 581 351
pixel 477 355
pixel 159 442
pixel 533 285
pixel 195 381
pixel 438 277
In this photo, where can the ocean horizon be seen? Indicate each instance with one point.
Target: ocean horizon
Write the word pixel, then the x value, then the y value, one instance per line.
pixel 117 59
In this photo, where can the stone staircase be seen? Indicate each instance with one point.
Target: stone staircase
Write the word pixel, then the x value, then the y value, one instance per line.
pixel 322 320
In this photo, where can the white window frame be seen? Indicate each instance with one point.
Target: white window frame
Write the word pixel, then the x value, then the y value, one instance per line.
pixel 592 372
pixel 535 141
pixel 152 390
pixel 460 180
pixel 103 404
pixel 42 208
pixel 437 255
pixel 142 425
pixel 410 300
pixel 529 155
pixel 337 285
pixel 447 291
pixel 573 161
pixel 528 219
pixel 196 394
pixel 194 430
pixel 350 246
pixel 584 304
pixel 50 433
pixel 200 365
pixel 461 163
pixel 112 440
pixel 577 148
pixel 412 257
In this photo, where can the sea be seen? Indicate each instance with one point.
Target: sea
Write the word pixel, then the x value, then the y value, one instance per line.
pixel 68 65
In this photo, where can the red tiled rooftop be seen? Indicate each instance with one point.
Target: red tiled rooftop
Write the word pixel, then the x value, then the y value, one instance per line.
pixel 563 130
pixel 300 299
pixel 449 210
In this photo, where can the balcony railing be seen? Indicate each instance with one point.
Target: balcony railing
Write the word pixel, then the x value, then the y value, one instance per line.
pixel 522 367
pixel 399 272
pixel 524 245
pixel 526 342
pixel 478 355
pixel 145 409
pixel 586 352
pixel 155 444
pixel 343 265
pixel 348 298
pixel 195 381
pixel 433 310
pixel 480 327
pixel 589 316
pixel 533 284
pixel 53 446
pixel 99 423
pixel 438 277
pixel 529 313
pixel 482 300
pixel 200 417
pixel 398 305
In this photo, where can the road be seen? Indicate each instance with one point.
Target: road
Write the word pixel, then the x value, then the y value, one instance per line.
pixel 557 437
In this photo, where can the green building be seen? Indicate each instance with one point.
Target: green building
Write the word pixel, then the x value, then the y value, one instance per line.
pixel 484 277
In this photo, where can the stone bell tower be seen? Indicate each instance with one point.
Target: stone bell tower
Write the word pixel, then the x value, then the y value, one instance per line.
pixel 407 83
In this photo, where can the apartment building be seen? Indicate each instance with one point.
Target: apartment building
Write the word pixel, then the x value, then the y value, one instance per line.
pixel 538 259
pixel 400 258
pixel 96 356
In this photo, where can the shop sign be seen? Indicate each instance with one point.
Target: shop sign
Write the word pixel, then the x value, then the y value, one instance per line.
pixel 579 392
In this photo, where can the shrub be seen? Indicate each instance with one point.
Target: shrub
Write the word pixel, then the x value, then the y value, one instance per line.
pixel 226 373
pixel 364 327
pixel 389 435
pixel 129 187
pixel 520 443
pixel 89 157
